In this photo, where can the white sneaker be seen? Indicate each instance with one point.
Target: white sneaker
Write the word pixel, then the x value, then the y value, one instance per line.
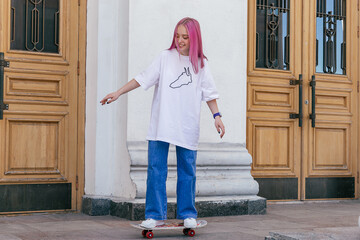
pixel 190 223
pixel 151 223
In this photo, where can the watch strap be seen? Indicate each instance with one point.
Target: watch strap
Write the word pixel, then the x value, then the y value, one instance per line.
pixel 217 114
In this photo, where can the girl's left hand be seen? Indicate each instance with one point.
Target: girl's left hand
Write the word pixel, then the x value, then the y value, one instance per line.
pixel 219 126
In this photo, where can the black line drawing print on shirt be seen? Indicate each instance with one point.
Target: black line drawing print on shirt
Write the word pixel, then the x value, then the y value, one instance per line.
pixel 185 78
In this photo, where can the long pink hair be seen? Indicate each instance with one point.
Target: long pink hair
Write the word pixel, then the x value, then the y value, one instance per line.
pixel 195 50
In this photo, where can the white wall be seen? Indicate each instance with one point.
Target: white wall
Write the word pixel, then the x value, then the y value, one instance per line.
pixel 107 163
pixel 224 28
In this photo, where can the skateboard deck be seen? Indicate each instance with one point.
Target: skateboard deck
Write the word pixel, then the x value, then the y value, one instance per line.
pixel 148 232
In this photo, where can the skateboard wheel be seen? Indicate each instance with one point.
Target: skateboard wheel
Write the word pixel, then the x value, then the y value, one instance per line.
pixel 191 233
pixel 144 233
pixel 185 231
pixel 149 235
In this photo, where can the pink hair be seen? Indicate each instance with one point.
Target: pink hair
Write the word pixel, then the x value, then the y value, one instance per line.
pixel 195 50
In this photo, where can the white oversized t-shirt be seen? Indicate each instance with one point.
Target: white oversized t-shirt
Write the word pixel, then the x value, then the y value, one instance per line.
pixel 175 114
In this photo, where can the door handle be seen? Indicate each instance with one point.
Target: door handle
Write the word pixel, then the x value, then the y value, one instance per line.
pixel 300 115
pixel 313 114
pixel 3 64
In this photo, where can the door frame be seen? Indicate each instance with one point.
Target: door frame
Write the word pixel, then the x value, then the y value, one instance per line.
pixel 357 195
pixel 80 177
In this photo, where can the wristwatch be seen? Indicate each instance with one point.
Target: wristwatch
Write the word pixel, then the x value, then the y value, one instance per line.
pixel 217 114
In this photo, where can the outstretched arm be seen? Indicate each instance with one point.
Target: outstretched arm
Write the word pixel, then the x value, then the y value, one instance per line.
pixel 218 123
pixel 111 97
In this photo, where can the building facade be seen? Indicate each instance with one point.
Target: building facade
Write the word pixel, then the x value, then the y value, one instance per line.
pixel 286 72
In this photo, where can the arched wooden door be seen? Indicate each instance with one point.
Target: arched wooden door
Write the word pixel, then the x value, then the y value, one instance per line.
pixel 302 98
pixel 39 99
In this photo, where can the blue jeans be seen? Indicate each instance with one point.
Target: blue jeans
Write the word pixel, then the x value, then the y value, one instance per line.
pixel 156 199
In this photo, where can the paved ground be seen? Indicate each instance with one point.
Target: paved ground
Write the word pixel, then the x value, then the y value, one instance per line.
pixel 325 220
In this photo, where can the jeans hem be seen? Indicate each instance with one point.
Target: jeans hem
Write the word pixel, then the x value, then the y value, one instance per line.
pixel 187 216
pixel 157 218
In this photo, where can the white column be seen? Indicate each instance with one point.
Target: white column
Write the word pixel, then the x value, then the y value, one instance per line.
pixel 107 162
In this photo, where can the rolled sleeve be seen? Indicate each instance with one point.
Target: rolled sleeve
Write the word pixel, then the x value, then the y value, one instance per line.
pixel 150 76
pixel 208 88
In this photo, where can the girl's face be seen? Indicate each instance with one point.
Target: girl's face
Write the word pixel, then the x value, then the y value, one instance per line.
pixel 182 38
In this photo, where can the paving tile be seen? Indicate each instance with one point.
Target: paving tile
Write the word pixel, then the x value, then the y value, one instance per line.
pixel 14 228
pixel 350 233
pixel 31 218
pixel 333 221
pixel 273 224
pixel 112 221
pixel 71 216
pixel 243 218
pixel 78 235
pixel 32 235
pixel 8 237
pixel 67 226
pixel 228 236
pixel 296 214
pixel 341 230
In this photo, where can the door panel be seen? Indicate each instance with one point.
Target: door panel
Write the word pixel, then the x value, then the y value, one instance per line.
pixel 47 87
pixel 35 146
pixel 331 149
pixel 275 136
pixel 266 97
pixel 38 135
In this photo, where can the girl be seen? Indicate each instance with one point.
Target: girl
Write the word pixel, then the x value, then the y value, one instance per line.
pixel 182 79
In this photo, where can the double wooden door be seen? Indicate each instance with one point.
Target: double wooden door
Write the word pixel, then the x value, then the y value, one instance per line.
pixel 302 91
pixel 39 105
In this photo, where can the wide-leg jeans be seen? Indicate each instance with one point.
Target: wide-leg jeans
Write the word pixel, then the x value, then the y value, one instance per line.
pixel 156 199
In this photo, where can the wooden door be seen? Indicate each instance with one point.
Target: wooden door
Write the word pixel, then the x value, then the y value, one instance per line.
pixel 39 130
pixel 294 158
pixel 330 139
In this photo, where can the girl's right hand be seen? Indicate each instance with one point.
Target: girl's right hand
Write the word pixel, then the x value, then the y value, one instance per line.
pixel 111 97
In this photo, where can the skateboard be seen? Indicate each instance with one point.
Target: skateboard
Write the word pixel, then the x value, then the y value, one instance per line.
pixel 148 233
